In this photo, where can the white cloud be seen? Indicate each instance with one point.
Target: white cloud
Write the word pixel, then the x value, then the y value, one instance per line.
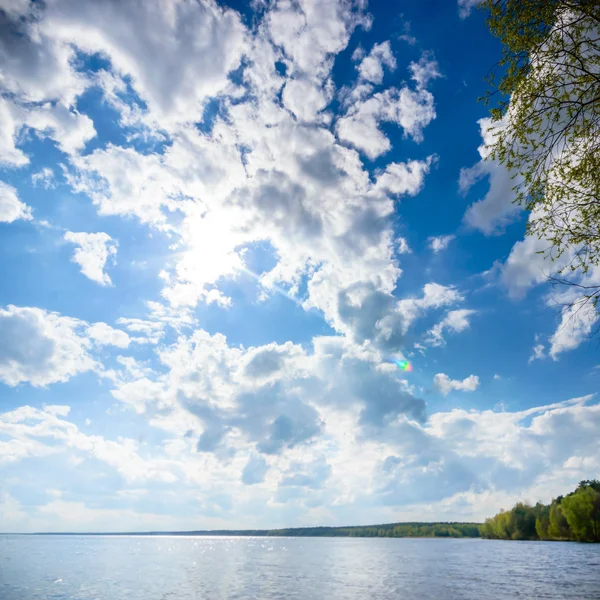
pixel 366 314
pixel 576 324
pixel 267 398
pixel 105 335
pixel 146 331
pixel 402 245
pixel 455 320
pixel 466 6
pixel 11 208
pixel 67 127
pixel 445 385
pixel 36 66
pixel 47 431
pixel 44 178
pixel 259 175
pixel 538 352
pixel 283 206
pixel 305 98
pixel 526 266
pixel 70 129
pixel 412 110
pixel 10 124
pixel 496 210
pixel 371 66
pixel 210 38
pixel 405 178
pixel 439 243
pixel 448 465
pixel 41 347
pixel 533 261
pixel 92 253
pixel 312 33
pixel 123 182
pixel 424 70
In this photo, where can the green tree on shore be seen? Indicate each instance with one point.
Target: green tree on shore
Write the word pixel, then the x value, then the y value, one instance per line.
pixel 582 512
pixel 558 528
pixel 573 517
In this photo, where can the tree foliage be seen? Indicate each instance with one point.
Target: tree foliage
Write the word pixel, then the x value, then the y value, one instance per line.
pixel 455 530
pixel 546 122
pixel 573 517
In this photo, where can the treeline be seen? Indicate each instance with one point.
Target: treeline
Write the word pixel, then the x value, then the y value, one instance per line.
pixel 395 530
pixel 392 530
pixel 575 516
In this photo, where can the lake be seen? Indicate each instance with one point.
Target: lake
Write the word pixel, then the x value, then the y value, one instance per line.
pixel 173 568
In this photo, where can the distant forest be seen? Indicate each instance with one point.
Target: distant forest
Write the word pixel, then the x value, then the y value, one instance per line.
pixel 575 517
pixel 455 530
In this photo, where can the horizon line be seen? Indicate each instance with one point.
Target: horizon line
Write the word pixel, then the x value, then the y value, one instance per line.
pixel 258 532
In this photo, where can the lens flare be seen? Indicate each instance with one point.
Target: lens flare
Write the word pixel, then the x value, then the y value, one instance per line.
pixel 405 365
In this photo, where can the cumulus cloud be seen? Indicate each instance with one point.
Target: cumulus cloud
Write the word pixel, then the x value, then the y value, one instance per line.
pixel 495 459
pixel 305 98
pixel 412 110
pixel 325 218
pixel 439 243
pixel 525 266
pixel 105 335
pixel 445 385
pixel 496 209
pixel 41 347
pixel 405 178
pixel 371 66
pixel 284 206
pixel 424 70
pixel 455 320
pixel 533 261
pixel 173 89
pixel 367 314
pixel 434 296
pixel 66 126
pixel 70 129
pixel 269 397
pixel 40 432
pixel 449 463
pixel 93 251
pixel 578 317
pixel 11 208
pixel 10 125
pixel 36 66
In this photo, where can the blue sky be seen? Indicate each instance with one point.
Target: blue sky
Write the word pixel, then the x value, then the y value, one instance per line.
pixel 220 224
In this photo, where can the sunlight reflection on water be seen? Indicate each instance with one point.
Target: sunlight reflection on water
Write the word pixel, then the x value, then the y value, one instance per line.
pixel 136 568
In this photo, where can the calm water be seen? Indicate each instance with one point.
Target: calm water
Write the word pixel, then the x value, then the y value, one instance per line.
pixel 172 568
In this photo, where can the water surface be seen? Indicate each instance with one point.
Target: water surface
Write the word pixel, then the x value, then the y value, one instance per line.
pixel 207 568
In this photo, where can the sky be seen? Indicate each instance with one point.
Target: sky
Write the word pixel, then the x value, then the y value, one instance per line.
pixel 222 224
